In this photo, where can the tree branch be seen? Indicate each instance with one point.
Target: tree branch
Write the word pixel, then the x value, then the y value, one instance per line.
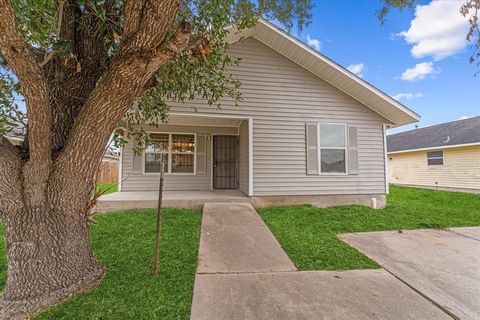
pixel 57 34
pixel 10 184
pixel 137 60
pixel 35 90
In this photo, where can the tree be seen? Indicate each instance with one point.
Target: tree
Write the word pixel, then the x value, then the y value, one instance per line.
pixel 80 66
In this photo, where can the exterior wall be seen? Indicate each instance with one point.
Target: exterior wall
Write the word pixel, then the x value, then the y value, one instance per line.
pixel 174 182
pixel 243 175
pixel 460 169
pixel 281 97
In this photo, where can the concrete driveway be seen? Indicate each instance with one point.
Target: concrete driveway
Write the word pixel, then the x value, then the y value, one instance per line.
pixel 442 265
pixel 243 273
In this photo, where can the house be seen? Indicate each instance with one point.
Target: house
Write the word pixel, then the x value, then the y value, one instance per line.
pixel 306 131
pixel 444 156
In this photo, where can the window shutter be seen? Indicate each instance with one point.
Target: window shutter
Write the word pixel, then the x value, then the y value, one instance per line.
pixel 201 154
pixel 137 165
pixel 352 150
pixel 312 147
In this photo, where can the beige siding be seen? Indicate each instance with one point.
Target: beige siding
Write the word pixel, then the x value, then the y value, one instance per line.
pixel 460 169
pixel 281 97
pixel 243 172
pixel 144 182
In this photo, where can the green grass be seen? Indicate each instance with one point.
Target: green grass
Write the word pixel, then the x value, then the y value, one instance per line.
pixel 124 243
pixel 309 234
pixel 107 188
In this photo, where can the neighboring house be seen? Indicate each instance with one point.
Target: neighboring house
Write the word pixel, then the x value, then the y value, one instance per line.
pixel 442 156
pixel 306 131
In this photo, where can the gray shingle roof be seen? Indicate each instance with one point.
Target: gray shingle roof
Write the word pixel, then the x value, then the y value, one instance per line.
pixel 446 134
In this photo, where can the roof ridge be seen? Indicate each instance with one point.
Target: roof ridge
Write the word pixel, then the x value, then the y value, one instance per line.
pixel 433 125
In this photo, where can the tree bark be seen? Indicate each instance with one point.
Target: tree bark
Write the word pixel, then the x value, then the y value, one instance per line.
pixel 49 258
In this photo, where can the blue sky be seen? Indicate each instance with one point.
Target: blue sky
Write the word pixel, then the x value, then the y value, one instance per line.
pixel 440 85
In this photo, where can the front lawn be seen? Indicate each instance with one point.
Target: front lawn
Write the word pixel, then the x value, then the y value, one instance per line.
pixel 309 234
pixel 123 242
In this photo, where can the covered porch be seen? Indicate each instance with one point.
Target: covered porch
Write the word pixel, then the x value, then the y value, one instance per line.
pixel 201 151
pixel 175 199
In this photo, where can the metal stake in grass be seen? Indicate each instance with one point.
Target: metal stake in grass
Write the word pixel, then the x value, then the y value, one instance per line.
pixel 159 218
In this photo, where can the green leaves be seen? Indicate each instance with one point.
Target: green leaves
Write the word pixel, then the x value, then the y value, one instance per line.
pixel 12 118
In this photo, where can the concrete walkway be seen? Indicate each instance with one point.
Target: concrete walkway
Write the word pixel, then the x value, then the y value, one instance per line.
pixel 243 273
pixel 235 239
pixel 443 265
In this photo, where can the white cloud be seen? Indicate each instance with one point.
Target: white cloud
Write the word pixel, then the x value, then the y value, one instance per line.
pixel 464 117
pixel 358 69
pixel 438 29
pixel 407 95
pixel 420 71
pixel 314 43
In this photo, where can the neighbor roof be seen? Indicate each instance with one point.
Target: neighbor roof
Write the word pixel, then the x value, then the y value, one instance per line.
pixel 460 132
pixel 329 71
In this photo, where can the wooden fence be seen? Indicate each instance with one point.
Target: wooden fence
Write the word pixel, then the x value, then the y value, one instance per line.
pixel 108 172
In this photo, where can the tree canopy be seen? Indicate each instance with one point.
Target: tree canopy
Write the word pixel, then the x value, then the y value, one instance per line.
pixel 198 70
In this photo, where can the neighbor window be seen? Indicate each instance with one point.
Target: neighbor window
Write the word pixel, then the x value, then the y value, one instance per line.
pixel 435 158
pixel 333 144
pixel 178 151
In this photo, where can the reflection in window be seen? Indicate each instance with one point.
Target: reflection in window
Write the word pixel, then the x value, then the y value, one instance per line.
pixel 435 158
pixel 333 148
pixel 178 151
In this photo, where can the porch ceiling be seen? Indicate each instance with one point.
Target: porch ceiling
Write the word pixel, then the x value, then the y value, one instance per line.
pixel 188 120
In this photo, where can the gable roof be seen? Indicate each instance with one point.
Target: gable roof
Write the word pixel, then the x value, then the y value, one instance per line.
pixel 460 132
pixel 328 70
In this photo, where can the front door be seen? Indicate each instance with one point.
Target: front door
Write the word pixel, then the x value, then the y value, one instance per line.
pixel 225 162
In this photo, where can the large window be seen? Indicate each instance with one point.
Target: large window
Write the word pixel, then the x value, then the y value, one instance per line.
pixel 333 145
pixel 435 158
pixel 178 151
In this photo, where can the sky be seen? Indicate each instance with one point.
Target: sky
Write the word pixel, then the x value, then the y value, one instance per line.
pixel 419 57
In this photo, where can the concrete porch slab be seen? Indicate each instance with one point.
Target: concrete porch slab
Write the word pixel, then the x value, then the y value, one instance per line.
pixel 356 294
pixel 129 200
pixel 443 265
pixel 235 239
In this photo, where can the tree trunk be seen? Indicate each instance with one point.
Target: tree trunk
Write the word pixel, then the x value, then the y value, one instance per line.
pixel 49 255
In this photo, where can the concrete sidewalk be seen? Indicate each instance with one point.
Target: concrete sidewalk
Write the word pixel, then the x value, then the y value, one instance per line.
pixel 355 294
pixel 235 239
pixel 443 265
pixel 243 273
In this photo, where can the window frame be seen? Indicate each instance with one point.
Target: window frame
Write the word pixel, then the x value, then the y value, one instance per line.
pixel 319 149
pixel 170 153
pixel 435 158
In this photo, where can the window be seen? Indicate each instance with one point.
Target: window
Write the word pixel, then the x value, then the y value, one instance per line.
pixel 178 151
pixel 435 158
pixel 183 153
pixel 333 144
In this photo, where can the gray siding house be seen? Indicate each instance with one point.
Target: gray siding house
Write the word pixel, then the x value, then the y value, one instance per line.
pixel 307 131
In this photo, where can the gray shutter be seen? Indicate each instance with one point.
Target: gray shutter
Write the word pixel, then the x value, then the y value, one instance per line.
pixel 137 165
pixel 312 147
pixel 201 154
pixel 352 150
